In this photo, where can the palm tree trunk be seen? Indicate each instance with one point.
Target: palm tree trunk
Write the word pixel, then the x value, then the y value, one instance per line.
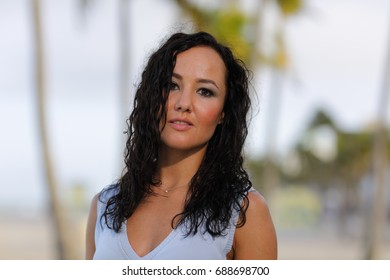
pixel 124 60
pixel 55 209
pixel 258 33
pixel 271 175
pixel 380 167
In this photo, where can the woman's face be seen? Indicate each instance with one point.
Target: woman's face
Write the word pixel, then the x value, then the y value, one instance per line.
pixel 196 99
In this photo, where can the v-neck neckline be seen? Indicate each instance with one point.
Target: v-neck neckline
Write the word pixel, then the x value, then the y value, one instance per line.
pixel 129 251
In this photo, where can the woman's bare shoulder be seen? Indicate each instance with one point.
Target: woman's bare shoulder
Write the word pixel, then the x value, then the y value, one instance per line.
pixel 256 239
pixel 257 204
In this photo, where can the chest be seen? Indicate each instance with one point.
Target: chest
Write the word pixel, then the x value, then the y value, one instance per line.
pixel 152 222
pixel 148 235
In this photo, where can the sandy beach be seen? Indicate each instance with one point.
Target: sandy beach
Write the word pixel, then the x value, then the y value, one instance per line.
pixel 29 237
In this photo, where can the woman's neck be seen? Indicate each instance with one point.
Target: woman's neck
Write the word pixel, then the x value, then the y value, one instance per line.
pixel 178 167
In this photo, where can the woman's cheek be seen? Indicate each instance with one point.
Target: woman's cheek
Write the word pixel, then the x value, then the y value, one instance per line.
pixel 211 116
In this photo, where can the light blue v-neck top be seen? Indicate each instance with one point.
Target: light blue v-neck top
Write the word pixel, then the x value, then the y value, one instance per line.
pixel 116 246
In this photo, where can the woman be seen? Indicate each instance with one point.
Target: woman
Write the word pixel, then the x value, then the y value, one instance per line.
pixel 184 193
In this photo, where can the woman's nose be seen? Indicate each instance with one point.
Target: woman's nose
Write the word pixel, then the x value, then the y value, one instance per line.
pixel 183 102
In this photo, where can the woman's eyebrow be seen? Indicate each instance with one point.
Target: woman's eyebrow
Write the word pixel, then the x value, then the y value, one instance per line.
pixel 207 81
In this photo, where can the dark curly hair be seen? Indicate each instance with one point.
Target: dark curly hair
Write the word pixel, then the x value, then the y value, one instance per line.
pixel 220 185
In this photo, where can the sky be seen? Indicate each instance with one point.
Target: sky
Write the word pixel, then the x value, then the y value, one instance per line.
pixel 336 52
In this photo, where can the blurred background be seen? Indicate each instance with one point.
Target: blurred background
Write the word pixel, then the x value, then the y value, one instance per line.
pixel 319 144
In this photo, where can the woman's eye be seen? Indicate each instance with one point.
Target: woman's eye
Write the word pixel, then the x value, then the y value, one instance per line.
pixel 205 92
pixel 174 86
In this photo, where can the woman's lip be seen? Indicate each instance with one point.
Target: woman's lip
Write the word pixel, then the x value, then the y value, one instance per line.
pixel 180 125
pixel 180 121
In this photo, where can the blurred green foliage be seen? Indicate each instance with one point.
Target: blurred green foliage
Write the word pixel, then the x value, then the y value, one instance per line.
pixel 290 7
pixel 240 30
pixel 351 162
pixel 296 207
pixel 227 23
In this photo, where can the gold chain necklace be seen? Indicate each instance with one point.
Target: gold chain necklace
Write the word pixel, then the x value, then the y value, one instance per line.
pixel 173 188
